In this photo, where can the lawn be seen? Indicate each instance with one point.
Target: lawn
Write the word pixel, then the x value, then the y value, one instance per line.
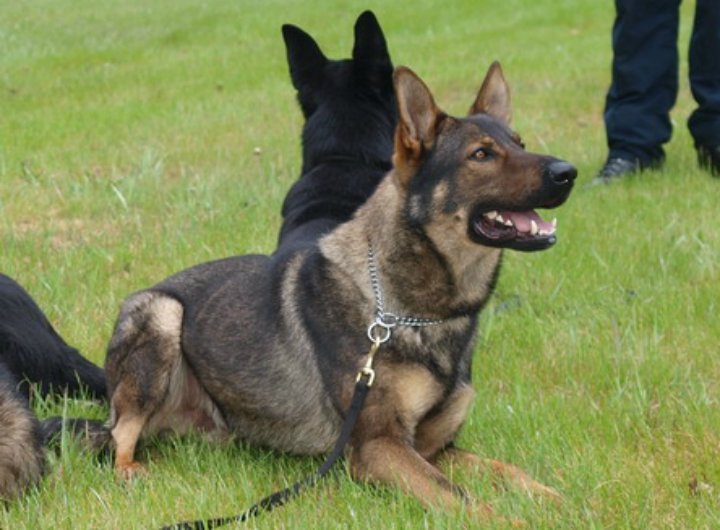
pixel 139 138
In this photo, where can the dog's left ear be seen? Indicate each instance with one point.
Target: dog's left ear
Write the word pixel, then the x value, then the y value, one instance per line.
pixel 494 96
pixel 370 46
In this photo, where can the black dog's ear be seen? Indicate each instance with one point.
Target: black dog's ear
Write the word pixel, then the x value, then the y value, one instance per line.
pixel 417 128
pixel 305 57
pixel 370 48
pixel 494 96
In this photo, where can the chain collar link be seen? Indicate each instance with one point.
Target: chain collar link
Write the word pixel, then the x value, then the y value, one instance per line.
pixel 381 328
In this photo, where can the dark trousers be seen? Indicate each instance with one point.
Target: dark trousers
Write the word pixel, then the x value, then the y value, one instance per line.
pixel 645 77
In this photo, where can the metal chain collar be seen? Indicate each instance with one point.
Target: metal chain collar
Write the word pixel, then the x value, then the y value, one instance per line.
pixel 381 328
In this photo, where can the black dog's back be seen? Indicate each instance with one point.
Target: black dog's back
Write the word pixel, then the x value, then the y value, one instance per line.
pixel 323 199
pixel 33 352
pixel 349 107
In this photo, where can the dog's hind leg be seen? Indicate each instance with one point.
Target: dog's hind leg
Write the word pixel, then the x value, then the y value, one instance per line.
pixel 142 351
pixel 150 384
pixel 126 434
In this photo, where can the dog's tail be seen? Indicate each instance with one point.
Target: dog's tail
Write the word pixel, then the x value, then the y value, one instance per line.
pixel 22 458
pixel 36 354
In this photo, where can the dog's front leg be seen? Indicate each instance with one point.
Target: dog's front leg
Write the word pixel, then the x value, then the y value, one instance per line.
pixel 390 461
pixel 507 473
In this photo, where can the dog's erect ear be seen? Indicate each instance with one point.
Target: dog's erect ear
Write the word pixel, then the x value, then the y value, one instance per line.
pixel 418 113
pixel 305 57
pixel 370 48
pixel 494 96
pixel 417 127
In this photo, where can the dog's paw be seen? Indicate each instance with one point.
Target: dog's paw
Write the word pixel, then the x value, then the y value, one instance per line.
pixel 546 492
pixel 552 495
pixel 130 471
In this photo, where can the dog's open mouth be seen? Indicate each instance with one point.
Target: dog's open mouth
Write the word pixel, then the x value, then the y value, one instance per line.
pixel 516 230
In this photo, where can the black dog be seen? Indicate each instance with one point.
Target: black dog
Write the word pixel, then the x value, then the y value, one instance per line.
pixel 350 112
pixel 32 354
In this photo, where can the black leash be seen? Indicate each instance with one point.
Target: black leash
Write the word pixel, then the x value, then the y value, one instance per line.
pixel 365 380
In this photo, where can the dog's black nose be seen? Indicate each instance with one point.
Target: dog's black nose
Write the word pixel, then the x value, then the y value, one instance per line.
pixel 561 172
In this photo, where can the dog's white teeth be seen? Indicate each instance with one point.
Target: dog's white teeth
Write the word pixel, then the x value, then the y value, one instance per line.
pixel 494 216
pixel 533 228
pixel 550 232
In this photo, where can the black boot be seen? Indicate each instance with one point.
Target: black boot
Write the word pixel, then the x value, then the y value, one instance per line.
pixel 709 159
pixel 617 168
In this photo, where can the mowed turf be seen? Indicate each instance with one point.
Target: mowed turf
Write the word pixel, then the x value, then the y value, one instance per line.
pixel 139 138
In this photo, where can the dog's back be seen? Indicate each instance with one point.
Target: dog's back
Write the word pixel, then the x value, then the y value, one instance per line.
pixel 349 107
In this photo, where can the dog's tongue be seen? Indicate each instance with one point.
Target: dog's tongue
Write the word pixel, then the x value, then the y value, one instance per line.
pixel 521 220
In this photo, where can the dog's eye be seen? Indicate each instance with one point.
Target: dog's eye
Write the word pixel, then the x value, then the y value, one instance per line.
pixel 481 154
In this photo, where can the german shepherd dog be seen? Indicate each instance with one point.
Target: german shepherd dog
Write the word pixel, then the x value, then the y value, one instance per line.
pixel 32 356
pixel 268 347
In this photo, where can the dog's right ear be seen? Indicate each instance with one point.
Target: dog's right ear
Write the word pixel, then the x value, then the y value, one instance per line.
pixel 417 128
pixel 305 57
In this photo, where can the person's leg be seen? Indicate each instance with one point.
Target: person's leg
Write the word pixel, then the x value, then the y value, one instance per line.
pixel 644 79
pixel 704 122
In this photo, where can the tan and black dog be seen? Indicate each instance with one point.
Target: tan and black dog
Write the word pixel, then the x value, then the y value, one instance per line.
pixel 268 347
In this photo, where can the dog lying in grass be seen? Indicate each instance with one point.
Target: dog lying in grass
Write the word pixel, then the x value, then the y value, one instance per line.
pixel 268 347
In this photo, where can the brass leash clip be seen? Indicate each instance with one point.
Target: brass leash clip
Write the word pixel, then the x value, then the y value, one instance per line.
pixel 367 370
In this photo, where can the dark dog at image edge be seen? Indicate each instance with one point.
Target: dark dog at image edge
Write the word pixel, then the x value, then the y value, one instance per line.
pixel 267 348
pixel 33 357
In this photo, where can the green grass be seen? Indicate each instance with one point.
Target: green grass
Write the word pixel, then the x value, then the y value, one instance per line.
pixel 127 132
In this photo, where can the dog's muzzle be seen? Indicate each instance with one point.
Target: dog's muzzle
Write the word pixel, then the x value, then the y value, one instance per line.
pixel 523 228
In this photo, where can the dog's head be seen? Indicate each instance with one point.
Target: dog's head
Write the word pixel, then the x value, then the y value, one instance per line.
pixel 475 170
pixel 349 105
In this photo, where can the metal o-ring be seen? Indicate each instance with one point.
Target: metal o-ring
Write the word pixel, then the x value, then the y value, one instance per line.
pixel 373 330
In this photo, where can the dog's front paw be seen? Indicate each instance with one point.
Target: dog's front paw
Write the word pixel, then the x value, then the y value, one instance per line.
pixel 536 488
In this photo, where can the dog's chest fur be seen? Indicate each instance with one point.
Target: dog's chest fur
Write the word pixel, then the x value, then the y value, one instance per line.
pixel 421 394
pixel 413 391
